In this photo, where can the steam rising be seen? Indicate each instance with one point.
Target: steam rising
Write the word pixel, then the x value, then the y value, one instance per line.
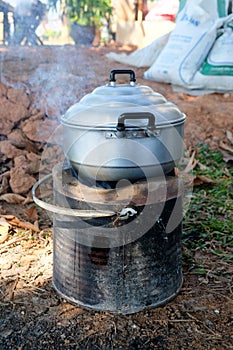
pixel 58 85
pixel 55 89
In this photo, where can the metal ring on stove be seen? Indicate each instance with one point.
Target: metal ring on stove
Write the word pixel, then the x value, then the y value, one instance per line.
pixel 67 211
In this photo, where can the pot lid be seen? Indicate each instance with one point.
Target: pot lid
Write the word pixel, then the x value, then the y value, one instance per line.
pixel 103 107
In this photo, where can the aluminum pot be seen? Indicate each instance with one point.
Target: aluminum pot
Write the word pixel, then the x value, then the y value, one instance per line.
pixel 123 131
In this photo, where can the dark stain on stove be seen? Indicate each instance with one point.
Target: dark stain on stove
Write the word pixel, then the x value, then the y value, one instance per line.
pixel 99 256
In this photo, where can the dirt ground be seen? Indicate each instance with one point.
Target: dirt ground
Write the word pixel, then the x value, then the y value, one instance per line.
pixel 32 314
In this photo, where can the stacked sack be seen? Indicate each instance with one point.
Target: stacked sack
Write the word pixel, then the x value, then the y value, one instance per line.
pixel 196 57
pixel 198 53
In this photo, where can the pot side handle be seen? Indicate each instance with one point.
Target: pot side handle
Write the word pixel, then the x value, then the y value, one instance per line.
pixel 138 115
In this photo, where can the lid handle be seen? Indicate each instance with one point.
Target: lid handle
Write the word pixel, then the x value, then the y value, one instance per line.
pixel 138 115
pixel 122 71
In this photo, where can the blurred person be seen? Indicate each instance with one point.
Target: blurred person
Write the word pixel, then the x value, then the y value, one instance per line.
pixel 27 17
pixel 112 26
pixel 126 10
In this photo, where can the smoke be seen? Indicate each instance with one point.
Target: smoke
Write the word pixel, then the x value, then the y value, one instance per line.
pixel 55 89
pixel 56 76
pixel 58 84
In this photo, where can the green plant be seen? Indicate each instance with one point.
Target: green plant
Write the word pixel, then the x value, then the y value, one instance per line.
pixel 86 12
pixel 208 223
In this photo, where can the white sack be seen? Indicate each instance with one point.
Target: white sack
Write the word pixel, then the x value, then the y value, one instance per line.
pixel 188 44
pixel 217 70
pixel 144 57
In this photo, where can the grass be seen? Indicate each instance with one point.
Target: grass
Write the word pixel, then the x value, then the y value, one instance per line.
pixel 208 223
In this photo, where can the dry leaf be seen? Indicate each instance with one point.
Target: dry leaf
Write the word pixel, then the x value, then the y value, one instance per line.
pixel 202 179
pixel 4 234
pixel 229 136
pixel 4 230
pixel 226 147
pixel 4 183
pixel 24 224
pixel 185 173
pixel 191 164
pixel 4 222
pixel 202 166
pixel 29 199
pixel 32 213
pixel 186 178
pixel 8 217
pixel 12 198
pixel 227 157
pixel 14 240
pixel 5 174
pixel 36 225
pixel 14 221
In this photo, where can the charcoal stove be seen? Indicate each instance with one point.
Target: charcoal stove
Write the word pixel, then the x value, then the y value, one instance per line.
pixel 124 255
